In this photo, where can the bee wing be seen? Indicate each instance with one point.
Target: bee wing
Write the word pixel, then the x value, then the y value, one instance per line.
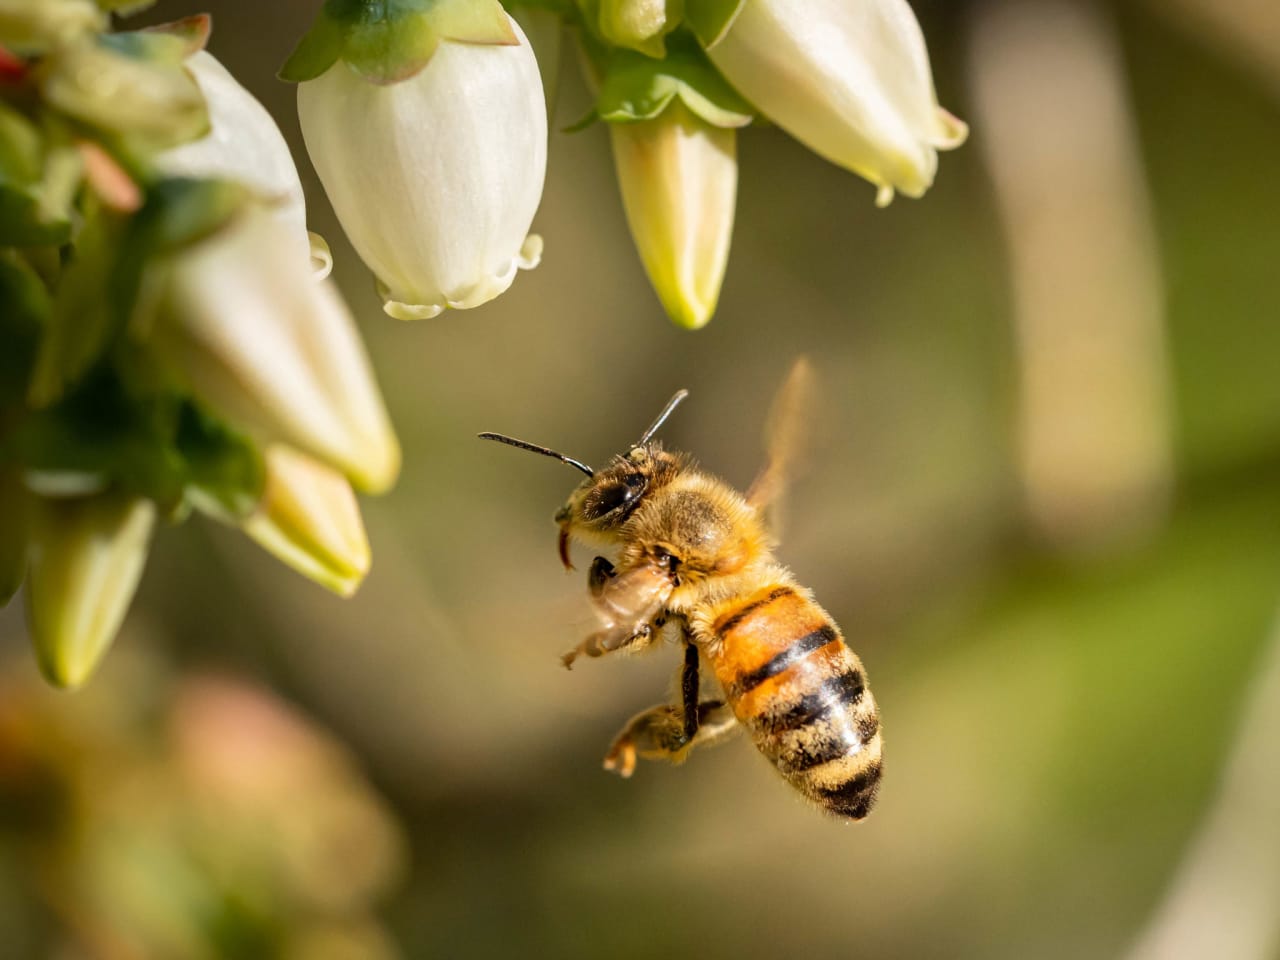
pixel 784 435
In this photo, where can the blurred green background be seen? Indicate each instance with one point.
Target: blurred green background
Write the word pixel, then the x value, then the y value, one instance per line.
pixel 1043 502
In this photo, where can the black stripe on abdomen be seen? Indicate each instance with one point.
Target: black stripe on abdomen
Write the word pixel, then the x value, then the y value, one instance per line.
pixel 843 690
pixel 740 615
pixel 810 642
pixel 854 797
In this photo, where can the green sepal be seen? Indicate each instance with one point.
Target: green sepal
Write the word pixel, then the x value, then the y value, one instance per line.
pixel 710 20
pixel 98 295
pixel 98 437
pixel 635 87
pixel 26 308
pixel 153 444
pixel 225 470
pixel 166 43
pixel 386 41
pixel 13 532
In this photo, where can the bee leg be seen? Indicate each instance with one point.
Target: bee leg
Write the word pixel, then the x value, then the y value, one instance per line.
pixel 607 641
pixel 601 572
pixel 689 690
pixel 658 734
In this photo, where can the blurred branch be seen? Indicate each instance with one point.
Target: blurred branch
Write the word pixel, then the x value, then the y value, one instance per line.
pixel 1223 899
pixel 1059 140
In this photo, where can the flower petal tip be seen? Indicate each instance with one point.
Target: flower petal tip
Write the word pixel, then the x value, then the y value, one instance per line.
pixel 321 256
pixel 952 131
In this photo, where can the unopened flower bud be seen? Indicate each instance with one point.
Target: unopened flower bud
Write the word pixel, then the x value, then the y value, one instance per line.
pixel 35 26
pixel 850 79
pixel 679 178
pixel 435 177
pixel 267 346
pixel 309 519
pixel 85 558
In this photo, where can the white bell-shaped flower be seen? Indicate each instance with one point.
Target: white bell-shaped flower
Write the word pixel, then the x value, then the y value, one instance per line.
pixel 850 79
pixel 435 177
pixel 275 351
pixel 244 144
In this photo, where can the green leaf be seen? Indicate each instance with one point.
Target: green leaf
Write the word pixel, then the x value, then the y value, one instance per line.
pixel 711 19
pixel 386 41
pixel 636 87
pixel 225 472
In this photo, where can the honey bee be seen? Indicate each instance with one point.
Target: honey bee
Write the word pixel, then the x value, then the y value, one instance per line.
pixel 695 558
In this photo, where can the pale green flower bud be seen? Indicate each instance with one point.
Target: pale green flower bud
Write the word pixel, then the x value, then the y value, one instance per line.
pixel 85 557
pixel 35 26
pixel 637 24
pixel 850 79
pixel 151 103
pixel 679 179
pixel 435 177
pixel 243 144
pixel 270 348
pixel 308 518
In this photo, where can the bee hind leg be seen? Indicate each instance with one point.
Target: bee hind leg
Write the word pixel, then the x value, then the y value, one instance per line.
pixel 659 734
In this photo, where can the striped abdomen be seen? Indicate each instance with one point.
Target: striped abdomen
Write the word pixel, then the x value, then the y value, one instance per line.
pixel 802 694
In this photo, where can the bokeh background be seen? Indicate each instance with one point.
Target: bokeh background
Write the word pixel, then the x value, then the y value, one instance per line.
pixel 1042 500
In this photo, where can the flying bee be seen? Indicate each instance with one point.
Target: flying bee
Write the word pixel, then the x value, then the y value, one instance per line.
pixel 695 556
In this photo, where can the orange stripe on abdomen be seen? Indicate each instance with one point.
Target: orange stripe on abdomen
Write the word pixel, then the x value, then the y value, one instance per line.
pixel 802 694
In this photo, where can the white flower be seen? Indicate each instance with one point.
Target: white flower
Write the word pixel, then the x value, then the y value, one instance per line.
pixel 85 557
pixel 850 79
pixel 273 350
pixel 679 176
pixel 243 144
pixel 436 177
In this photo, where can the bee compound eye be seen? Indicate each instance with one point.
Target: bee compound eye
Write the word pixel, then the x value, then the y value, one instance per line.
pixel 608 499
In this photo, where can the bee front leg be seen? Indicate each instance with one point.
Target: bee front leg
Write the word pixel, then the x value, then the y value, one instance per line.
pixel 607 641
pixel 659 734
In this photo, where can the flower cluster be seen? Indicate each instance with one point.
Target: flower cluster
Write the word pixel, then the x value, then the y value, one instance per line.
pixel 426 127
pixel 169 340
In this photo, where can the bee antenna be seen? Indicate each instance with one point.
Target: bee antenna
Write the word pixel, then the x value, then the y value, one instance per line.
pixel 662 417
pixel 545 451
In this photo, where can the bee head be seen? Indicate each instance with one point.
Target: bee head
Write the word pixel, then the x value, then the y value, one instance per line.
pixel 602 503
